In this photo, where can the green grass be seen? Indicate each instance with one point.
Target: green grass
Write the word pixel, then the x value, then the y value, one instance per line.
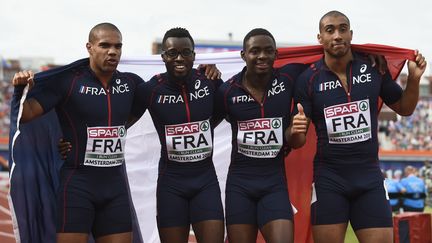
pixel 351 238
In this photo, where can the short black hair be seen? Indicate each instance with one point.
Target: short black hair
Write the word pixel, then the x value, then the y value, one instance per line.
pixel 179 33
pixel 255 32
pixel 333 13
pixel 102 26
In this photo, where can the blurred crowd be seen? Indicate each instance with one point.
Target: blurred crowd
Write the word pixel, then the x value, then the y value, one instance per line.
pixel 409 133
pixel 411 190
pixel 6 90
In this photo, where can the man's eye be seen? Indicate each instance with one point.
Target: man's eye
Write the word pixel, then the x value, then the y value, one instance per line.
pixel 269 51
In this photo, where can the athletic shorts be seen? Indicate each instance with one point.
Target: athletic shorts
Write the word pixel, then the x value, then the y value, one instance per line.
pixel 93 200
pixel 257 197
pixel 188 193
pixel 351 194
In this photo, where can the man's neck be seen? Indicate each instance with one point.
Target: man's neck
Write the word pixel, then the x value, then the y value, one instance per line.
pixel 257 82
pixel 180 80
pixel 338 64
pixel 104 77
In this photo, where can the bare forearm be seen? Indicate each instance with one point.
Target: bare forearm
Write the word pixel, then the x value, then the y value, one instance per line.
pixel 410 97
pixel 408 101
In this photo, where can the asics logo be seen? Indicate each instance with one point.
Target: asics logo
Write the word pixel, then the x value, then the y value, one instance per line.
pixel 363 68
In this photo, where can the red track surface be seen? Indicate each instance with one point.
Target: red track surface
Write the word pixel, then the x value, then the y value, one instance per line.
pixel 6 231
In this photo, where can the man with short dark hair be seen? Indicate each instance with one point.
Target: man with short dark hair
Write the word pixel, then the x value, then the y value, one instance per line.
pixel 180 102
pixel 340 94
pixel 257 104
pixel 94 103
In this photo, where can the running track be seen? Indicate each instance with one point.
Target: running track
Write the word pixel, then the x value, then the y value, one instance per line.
pixel 6 231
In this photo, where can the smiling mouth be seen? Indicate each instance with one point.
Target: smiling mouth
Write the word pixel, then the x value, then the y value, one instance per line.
pixel 180 67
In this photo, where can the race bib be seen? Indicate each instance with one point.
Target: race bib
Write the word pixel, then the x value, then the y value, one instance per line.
pixel 189 142
pixel 105 146
pixel 260 138
pixel 348 122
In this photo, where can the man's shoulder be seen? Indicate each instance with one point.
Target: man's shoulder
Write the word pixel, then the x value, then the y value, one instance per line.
pixel 232 81
pixel 293 69
pixel 130 75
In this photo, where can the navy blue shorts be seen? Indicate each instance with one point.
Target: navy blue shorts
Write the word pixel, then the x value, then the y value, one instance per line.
pixel 93 200
pixel 257 197
pixel 188 193
pixel 351 194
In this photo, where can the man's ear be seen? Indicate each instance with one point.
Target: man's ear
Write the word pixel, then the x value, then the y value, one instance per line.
pixel 242 55
pixel 319 38
pixel 88 47
pixel 163 57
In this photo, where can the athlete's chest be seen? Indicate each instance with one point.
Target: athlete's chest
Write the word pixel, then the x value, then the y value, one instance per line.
pixel 276 102
pixel 88 99
pixel 183 103
pixel 328 89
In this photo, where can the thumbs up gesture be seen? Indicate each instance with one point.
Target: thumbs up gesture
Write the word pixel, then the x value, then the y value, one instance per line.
pixel 299 122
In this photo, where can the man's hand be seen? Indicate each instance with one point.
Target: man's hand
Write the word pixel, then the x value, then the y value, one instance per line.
pixel 64 148
pixel 380 62
pixel 416 68
pixel 23 78
pixel 210 71
pixel 299 123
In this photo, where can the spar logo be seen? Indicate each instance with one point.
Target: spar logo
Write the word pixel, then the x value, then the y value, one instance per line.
pixel 341 110
pixel 259 124
pixel 363 106
pixel 107 132
pixel 205 126
pixel 182 129
pixel 276 123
